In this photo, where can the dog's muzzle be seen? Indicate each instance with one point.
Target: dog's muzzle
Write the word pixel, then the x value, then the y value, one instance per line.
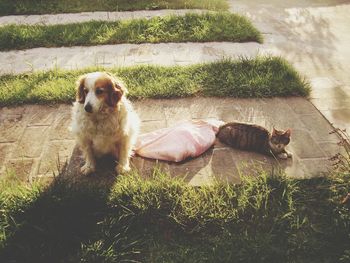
pixel 88 108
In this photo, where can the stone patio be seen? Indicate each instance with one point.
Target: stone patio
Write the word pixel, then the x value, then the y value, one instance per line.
pixel 54 19
pixel 35 142
pixel 313 35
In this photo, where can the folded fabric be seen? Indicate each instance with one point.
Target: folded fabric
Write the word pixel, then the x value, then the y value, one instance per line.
pixel 177 143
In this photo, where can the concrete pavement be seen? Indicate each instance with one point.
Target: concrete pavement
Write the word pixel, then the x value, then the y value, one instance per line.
pixel 313 35
pixel 35 142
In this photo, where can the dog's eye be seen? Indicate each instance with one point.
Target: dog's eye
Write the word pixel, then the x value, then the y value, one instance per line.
pixel 99 91
pixel 86 91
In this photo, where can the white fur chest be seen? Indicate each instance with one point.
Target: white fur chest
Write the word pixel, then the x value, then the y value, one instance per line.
pixel 102 131
pixel 103 136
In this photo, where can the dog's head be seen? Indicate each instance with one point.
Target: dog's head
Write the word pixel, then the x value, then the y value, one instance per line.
pixel 99 91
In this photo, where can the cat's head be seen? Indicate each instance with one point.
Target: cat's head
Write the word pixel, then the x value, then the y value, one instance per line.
pixel 279 140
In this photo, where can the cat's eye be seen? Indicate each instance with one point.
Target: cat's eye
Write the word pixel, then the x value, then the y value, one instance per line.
pixel 285 140
pixel 274 140
pixel 99 91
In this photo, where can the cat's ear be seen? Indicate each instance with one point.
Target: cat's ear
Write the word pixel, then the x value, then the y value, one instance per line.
pixel 288 133
pixel 273 131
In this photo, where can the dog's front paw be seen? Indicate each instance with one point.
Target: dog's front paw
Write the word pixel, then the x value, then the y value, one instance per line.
pixel 87 169
pixel 121 169
pixel 283 156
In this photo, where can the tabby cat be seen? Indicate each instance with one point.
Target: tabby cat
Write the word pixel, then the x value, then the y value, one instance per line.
pixel 255 138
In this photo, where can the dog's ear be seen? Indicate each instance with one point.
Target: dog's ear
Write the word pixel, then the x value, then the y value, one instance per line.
pixel 114 94
pixel 120 86
pixel 115 91
pixel 80 97
pixel 118 83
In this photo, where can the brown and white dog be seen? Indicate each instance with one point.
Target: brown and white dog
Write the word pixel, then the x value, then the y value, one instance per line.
pixel 103 120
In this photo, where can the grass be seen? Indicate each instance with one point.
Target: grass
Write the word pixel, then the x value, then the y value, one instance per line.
pixel 21 7
pixel 190 27
pixel 241 78
pixel 162 219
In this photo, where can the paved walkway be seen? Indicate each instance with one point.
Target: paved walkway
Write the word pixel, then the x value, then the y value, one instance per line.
pixel 35 142
pixel 88 16
pixel 313 36
pixel 166 54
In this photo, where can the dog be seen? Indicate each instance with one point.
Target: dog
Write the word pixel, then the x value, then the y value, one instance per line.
pixel 104 121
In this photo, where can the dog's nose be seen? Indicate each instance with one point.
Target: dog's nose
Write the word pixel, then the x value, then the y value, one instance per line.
pixel 88 108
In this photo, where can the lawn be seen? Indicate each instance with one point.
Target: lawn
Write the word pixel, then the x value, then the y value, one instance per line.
pixel 190 27
pixel 241 78
pixel 162 219
pixel 18 7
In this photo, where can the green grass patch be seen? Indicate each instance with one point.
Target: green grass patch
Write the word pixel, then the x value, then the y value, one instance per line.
pixel 27 7
pixel 190 27
pixel 242 78
pixel 162 219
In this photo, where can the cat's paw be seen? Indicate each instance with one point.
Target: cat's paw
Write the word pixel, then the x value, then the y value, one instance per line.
pixel 87 169
pixel 283 156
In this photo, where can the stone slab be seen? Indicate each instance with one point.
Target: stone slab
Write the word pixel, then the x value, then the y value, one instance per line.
pixel 317 120
pixel 5 152
pixel 60 127
pixel 310 141
pixel 20 61
pixel 149 126
pixel 55 19
pixel 304 146
pixel 31 143
pixel 224 166
pixel 43 118
pixel 12 124
pixel 313 35
pixel 55 155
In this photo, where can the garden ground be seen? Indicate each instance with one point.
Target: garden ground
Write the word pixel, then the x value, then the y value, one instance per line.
pixel 289 29
pixel 312 35
pixel 161 219
pixel 36 142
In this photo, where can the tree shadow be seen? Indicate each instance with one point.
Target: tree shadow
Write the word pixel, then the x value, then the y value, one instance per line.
pixel 308 35
pixel 299 30
pixel 52 224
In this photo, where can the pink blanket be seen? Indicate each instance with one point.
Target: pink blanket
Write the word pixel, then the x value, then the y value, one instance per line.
pixel 177 143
